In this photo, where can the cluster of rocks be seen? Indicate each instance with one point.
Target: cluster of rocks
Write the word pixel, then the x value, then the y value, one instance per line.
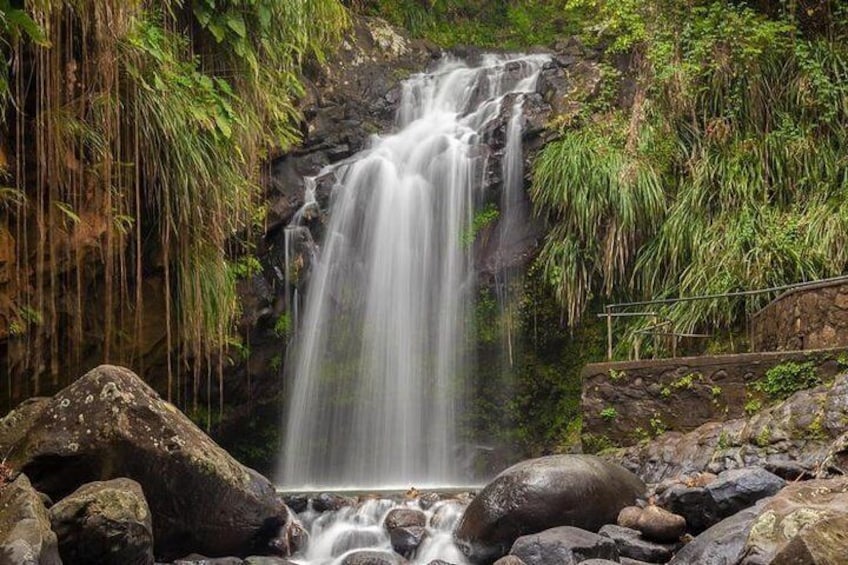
pixel 132 478
pixel 579 509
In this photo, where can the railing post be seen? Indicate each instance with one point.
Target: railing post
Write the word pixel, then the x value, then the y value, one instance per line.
pixel 609 332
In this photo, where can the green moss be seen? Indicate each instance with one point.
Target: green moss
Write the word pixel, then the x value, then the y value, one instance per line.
pixel 596 443
pixel 609 414
pixel 616 376
pixel 781 381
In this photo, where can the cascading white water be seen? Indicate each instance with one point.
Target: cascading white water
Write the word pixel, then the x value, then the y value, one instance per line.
pixel 381 355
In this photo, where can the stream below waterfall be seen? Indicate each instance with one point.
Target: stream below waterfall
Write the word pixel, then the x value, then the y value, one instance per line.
pixel 341 528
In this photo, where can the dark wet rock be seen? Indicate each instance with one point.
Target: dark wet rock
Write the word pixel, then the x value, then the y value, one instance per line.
pixel 297 502
pixel 660 525
pixel 404 518
pixel 722 544
pixel 694 504
pixel 25 534
pixel 329 502
pixel 290 538
pixel 426 500
pixel 737 489
pixel 561 490
pixel 791 439
pixel 816 509
pixel 632 544
pixel 196 559
pixel 406 539
pixel 373 558
pixel 564 544
pixel 628 561
pixel 355 539
pixel 104 523
pixel 598 562
pixel 110 424
pixel 729 493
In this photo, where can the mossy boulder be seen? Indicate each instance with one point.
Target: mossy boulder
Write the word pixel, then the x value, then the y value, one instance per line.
pixel 25 534
pixel 104 523
pixel 109 424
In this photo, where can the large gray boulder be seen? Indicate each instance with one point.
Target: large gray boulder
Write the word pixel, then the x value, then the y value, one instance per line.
pixel 104 523
pixel 25 534
pixel 109 424
pixel 583 491
pixel 563 546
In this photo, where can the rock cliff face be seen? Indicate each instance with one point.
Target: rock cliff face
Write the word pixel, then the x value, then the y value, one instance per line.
pixel 803 436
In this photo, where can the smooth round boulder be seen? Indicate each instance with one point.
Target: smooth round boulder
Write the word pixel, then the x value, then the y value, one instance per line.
pixel 583 491
pixel 564 544
pixel 660 525
pixel 25 534
pixel 104 523
pixel 629 517
pixel 404 518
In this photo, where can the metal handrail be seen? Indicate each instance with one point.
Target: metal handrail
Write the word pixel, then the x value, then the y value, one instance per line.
pixel 609 313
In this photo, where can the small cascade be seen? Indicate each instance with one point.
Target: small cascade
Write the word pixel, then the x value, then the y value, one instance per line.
pixel 378 369
pixel 334 535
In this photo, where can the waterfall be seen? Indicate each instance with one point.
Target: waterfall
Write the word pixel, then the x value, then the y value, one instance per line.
pixel 378 368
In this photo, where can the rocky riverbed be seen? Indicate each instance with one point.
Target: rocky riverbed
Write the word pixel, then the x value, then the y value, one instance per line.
pixel 107 472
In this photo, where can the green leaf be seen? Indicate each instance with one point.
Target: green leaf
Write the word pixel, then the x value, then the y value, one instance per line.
pixel 236 23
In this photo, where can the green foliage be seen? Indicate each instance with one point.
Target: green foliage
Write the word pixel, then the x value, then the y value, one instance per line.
pixel 282 327
pixel 484 23
pixel 753 405
pixel 483 218
pixel 15 25
pixel 726 173
pixel 723 440
pixel 616 376
pixel 596 443
pixel 782 381
pixel 687 381
pixel 658 427
pixel 609 414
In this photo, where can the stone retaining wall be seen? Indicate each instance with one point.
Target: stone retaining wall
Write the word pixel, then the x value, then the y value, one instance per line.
pixel 813 317
pixel 626 402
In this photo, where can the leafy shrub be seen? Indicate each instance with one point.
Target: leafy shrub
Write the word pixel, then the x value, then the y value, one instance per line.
pixel 782 381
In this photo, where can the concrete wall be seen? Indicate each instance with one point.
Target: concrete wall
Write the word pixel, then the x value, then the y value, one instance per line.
pixel 810 318
pixel 625 402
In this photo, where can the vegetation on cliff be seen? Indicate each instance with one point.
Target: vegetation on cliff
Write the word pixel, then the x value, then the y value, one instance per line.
pixel 722 169
pixel 133 136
